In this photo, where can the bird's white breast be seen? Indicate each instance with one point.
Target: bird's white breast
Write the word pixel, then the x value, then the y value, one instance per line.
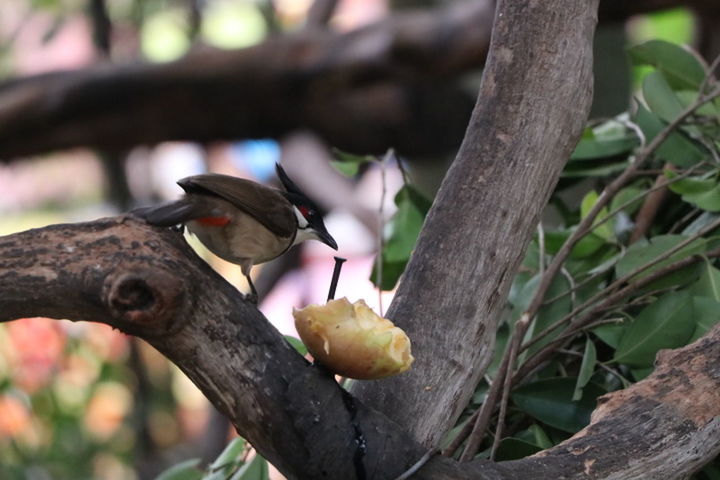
pixel 243 239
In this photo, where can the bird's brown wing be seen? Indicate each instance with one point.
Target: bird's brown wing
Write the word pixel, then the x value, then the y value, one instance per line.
pixel 266 205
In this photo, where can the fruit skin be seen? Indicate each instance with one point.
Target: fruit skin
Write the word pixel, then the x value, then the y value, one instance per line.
pixel 351 340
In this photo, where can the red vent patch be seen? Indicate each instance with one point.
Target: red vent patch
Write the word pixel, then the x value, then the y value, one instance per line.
pixel 213 221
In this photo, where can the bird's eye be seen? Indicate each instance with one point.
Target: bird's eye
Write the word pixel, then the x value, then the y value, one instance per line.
pixel 305 211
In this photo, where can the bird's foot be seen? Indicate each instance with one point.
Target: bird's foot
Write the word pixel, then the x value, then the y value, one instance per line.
pixel 252 298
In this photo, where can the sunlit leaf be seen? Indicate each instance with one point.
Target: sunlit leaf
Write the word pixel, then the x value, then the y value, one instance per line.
pixel 605 230
pixel 297 344
pixel 349 164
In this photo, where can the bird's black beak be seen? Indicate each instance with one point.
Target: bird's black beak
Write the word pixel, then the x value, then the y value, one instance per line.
pixel 326 238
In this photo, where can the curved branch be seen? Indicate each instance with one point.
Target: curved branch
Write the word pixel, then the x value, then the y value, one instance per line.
pixel 148 281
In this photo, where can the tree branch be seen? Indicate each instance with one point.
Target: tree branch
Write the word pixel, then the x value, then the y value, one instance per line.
pixel 368 90
pixel 148 282
pixel 538 82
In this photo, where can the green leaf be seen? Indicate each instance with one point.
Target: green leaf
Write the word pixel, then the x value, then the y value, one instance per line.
pixel 550 401
pixel 712 472
pixel 186 470
pixel 348 164
pixel 690 185
pixel 604 231
pixel 681 68
pixel 406 223
pixel 550 313
pixel 705 219
pixel 588 245
pixel 541 438
pixel 666 323
pixel 255 469
pixel 708 285
pixel 610 333
pixel 641 253
pixel 702 192
pixel 688 97
pixel 228 461
pixel 514 449
pixel 232 451
pixel 707 315
pixel 604 147
pixel 625 195
pixel 677 148
pixel 297 344
pixel 708 201
pixel 404 228
pixel 602 169
pixel 660 98
pixel 391 273
pixel 586 369
pixel 640 373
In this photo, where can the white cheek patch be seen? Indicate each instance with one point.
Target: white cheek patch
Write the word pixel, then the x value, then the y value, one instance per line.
pixel 307 234
pixel 302 221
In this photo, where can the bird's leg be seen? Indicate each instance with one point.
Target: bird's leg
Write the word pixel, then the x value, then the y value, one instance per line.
pixel 253 296
pixel 246 266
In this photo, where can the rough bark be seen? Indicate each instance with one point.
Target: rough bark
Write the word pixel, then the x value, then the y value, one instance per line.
pixel 534 99
pixel 148 282
pixel 364 91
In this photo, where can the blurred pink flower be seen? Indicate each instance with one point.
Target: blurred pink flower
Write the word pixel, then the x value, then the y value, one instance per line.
pixel 36 347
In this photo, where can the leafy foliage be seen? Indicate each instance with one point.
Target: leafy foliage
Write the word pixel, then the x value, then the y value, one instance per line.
pixel 608 341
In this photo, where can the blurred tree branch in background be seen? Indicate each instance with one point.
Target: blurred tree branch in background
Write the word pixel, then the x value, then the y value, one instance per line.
pixel 381 86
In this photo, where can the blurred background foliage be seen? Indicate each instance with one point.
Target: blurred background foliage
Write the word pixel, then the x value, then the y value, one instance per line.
pixel 80 401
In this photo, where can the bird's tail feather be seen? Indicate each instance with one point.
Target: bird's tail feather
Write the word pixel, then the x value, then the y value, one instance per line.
pixel 170 213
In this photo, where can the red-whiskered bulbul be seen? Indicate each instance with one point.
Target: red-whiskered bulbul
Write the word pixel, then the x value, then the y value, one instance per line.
pixel 241 221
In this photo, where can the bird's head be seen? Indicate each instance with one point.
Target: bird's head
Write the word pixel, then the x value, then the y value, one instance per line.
pixel 310 221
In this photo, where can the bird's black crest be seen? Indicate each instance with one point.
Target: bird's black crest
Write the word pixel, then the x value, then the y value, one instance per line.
pixel 287 183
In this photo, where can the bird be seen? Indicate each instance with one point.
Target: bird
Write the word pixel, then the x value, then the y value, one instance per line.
pixel 242 221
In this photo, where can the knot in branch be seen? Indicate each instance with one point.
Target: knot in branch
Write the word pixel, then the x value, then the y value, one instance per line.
pixel 143 302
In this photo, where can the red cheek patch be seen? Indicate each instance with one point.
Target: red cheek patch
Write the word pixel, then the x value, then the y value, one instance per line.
pixel 213 221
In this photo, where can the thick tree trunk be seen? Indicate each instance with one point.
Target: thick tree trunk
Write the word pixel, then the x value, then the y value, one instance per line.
pixel 534 100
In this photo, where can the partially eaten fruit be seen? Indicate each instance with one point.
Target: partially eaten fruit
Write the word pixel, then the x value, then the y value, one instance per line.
pixel 351 340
